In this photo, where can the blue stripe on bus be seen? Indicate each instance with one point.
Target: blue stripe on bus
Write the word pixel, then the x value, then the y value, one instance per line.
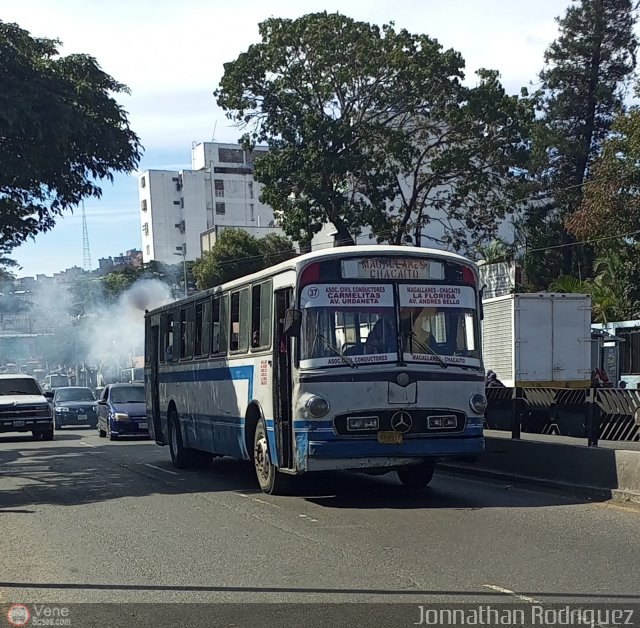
pixel 220 374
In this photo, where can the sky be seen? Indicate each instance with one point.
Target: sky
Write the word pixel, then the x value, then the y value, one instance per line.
pixel 171 56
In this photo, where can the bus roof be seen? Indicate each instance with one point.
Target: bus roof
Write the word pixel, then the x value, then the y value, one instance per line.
pixel 296 263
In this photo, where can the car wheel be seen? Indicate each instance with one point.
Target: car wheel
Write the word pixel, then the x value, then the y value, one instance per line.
pixel 58 426
pixel 101 433
pixel 113 436
pixel 36 435
pixel 417 476
pixel 271 481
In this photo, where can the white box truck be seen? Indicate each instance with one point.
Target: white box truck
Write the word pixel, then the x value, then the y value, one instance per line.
pixel 539 339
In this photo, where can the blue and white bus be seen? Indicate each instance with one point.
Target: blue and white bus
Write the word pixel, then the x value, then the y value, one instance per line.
pixel 362 358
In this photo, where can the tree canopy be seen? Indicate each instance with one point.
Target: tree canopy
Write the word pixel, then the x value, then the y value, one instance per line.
pixel 584 81
pixel 61 133
pixel 237 253
pixel 372 127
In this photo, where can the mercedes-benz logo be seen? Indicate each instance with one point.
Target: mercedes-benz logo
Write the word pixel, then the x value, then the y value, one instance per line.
pixel 401 422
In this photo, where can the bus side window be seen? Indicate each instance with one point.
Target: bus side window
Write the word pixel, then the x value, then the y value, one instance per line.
pixel 261 297
pixel 169 352
pixel 219 324
pixel 239 321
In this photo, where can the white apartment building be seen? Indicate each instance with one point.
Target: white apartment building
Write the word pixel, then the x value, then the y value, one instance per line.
pixel 177 207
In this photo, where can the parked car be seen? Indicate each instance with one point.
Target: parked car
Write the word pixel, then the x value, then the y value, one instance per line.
pixel 74 405
pixel 24 407
pixel 122 411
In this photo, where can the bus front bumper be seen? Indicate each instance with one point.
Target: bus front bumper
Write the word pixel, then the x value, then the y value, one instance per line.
pixel 369 454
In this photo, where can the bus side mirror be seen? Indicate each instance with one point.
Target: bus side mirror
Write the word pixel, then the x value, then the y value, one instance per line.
pixel 292 323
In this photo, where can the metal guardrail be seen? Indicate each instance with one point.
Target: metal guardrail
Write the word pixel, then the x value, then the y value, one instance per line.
pixel 593 413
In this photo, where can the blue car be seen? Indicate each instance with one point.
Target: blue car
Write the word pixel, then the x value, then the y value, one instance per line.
pixel 122 411
pixel 74 405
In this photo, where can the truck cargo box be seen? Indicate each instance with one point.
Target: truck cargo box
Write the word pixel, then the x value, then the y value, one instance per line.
pixel 540 339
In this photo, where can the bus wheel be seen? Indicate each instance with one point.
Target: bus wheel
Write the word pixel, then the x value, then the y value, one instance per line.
pixel 417 476
pixel 269 479
pixel 179 453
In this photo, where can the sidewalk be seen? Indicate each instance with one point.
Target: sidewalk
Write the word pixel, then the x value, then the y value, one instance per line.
pixel 610 471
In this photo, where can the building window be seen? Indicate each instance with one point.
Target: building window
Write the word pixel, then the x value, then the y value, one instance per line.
pixel 143 182
pixel 250 184
pixel 143 205
pixel 148 250
pixel 176 202
pixel 252 216
pixel 220 208
pixel 231 155
pixel 182 202
pixel 145 228
pixel 219 187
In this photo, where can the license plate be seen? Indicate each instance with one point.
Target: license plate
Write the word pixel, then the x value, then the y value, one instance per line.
pixel 390 438
pixel 142 426
pixel 18 424
pixel 82 417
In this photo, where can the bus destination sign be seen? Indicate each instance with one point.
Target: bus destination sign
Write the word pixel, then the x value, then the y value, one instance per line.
pixel 412 268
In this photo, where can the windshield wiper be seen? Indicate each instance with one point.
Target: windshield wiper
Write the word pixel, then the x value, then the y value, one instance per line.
pixel 426 348
pixel 337 351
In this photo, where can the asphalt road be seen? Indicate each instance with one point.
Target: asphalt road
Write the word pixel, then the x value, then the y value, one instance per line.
pixel 87 520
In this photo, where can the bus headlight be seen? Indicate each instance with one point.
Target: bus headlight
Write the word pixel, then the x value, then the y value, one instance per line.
pixel 317 407
pixel 478 403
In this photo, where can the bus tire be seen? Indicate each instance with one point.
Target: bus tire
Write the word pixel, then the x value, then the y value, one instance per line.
pixel 271 481
pixel 417 476
pixel 179 453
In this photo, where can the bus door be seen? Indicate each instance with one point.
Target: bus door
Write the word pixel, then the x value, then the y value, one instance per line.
pixel 282 387
pixel 156 425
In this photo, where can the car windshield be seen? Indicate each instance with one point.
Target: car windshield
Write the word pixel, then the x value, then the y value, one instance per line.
pixel 127 394
pixel 75 394
pixel 439 322
pixel 21 386
pixel 348 325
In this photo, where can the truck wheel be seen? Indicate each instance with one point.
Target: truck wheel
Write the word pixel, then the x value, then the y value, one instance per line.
pixel 271 481
pixel 47 435
pixel 179 453
pixel 36 435
pixel 418 476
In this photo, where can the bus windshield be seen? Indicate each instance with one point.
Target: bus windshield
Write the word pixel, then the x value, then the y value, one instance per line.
pixel 439 324
pixel 348 324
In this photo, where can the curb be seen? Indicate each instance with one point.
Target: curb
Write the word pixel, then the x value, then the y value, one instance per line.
pixel 591 492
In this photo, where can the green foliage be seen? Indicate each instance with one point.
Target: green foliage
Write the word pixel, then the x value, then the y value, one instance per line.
pixel 614 294
pixel 583 85
pixel 62 132
pixel 611 202
pixel 365 125
pixel 237 253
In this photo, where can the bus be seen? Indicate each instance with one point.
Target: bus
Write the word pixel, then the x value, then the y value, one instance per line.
pixel 361 358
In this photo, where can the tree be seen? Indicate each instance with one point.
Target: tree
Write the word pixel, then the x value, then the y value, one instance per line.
pixel 237 253
pixel 62 133
pixel 373 127
pixel 611 202
pixel 586 74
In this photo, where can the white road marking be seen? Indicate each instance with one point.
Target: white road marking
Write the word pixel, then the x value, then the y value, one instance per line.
pixel 88 444
pixel 524 598
pixel 153 466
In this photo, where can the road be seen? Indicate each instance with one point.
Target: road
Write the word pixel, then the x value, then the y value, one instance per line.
pixel 87 520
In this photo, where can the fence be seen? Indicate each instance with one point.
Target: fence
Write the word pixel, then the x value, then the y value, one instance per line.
pixel 593 413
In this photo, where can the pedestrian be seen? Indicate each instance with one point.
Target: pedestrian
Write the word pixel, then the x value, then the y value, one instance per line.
pixel 492 381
